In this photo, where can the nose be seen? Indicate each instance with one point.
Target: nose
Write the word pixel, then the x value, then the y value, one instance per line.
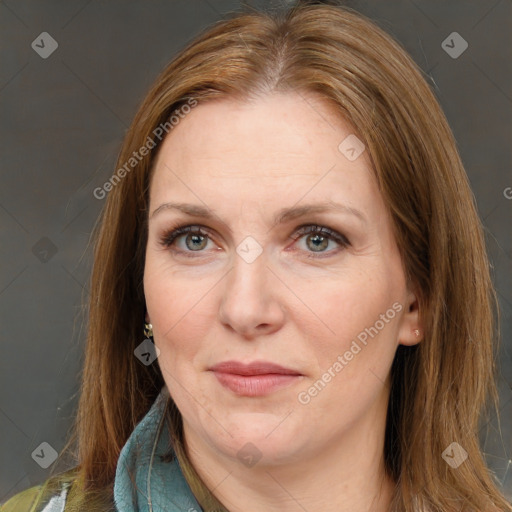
pixel 250 305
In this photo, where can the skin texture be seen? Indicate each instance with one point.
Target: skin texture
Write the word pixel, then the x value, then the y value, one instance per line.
pixel 295 305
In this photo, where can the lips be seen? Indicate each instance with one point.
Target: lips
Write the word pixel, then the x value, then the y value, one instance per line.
pixel 254 368
pixel 257 378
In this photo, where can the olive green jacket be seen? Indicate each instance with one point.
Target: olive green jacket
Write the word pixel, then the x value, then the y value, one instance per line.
pixel 58 494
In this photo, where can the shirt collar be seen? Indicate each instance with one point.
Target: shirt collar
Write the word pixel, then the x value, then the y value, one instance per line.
pixel 143 482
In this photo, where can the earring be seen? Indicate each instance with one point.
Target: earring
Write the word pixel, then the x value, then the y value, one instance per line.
pixel 148 331
pixel 416 332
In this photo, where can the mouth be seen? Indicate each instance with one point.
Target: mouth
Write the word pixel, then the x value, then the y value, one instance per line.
pixel 258 378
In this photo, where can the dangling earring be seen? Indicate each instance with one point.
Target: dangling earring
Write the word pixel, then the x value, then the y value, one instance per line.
pixel 148 331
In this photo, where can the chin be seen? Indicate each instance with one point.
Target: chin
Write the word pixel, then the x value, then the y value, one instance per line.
pixel 261 436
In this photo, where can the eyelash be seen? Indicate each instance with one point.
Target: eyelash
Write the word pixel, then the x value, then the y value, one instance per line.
pixel 169 236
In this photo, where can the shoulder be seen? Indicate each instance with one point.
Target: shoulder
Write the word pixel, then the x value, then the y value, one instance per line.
pixel 40 498
pixel 24 500
pixel 60 493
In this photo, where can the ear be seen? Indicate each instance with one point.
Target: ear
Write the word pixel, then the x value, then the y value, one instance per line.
pixel 411 330
pixel 147 318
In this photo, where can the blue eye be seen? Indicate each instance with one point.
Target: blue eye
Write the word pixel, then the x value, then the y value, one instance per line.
pixel 195 239
pixel 317 239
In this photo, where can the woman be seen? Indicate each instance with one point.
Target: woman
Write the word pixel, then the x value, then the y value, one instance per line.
pixel 291 227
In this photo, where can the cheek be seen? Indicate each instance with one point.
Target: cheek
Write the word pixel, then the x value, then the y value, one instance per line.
pixel 353 358
pixel 177 307
pixel 347 306
pixel 180 316
pixel 165 303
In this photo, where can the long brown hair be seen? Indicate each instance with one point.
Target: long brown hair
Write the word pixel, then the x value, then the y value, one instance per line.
pixel 440 387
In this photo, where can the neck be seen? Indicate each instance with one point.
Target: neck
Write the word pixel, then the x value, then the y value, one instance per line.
pixel 348 476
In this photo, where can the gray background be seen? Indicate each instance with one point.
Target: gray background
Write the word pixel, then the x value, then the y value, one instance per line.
pixel 62 122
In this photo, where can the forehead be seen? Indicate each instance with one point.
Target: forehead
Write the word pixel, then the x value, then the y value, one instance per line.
pixel 275 149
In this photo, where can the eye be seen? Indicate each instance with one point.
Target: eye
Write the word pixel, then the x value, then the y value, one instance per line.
pixel 196 239
pixel 317 239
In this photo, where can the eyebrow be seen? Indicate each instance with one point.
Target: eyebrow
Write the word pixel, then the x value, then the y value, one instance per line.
pixel 283 215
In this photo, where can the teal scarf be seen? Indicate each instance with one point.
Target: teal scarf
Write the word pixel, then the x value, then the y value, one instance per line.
pixel 144 483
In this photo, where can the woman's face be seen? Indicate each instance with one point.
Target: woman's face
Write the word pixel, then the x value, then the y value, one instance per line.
pixel 257 288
